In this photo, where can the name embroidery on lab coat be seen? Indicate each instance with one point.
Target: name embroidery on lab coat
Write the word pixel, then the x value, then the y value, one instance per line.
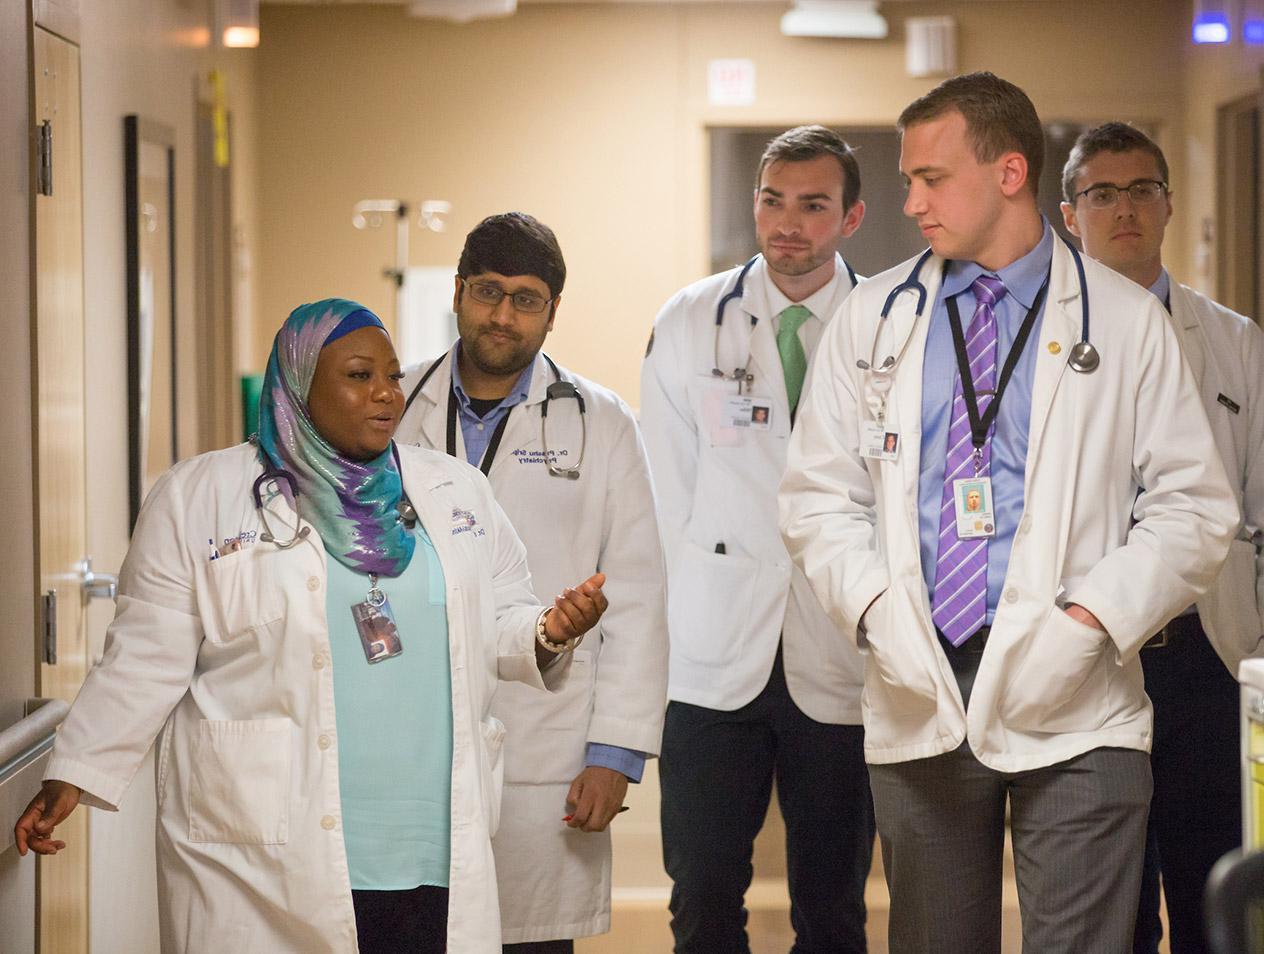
pixel 463 522
pixel 524 456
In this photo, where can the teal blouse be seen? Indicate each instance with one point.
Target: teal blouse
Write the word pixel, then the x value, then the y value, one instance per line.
pixel 394 721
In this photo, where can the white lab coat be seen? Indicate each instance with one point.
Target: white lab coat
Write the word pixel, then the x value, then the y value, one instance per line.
pixel 718 484
pixel 554 880
pixel 230 659
pixel 1048 688
pixel 1226 353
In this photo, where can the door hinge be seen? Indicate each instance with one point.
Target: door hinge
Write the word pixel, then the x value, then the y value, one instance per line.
pixel 44 170
pixel 50 628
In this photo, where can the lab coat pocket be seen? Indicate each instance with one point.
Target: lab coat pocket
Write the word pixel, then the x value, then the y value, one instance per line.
pixel 492 766
pixel 1060 683
pixel 709 603
pixel 1230 611
pixel 239 791
pixel 238 594
pixel 907 683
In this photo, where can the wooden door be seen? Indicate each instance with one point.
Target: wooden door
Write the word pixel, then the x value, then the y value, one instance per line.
pixel 59 454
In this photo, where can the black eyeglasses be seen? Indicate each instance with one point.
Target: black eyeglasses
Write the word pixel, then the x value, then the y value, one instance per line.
pixel 1142 192
pixel 529 303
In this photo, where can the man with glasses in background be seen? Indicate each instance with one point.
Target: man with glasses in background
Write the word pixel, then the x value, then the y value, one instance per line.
pixel 1118 204
pixel 566 462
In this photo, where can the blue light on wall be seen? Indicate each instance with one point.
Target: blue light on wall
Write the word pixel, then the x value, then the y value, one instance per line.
pixel 1253 32
pixel 1211 27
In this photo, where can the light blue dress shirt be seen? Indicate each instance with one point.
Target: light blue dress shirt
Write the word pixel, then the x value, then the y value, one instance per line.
pixel 1022 279
pixel 477 433
pixel 1162 288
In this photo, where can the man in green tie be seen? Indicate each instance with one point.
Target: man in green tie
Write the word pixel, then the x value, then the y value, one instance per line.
pixel 761 684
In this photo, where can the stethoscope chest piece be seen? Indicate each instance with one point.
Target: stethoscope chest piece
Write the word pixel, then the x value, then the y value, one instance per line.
pixel 1084 358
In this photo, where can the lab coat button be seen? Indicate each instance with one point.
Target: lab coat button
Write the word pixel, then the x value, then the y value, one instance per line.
pixel 318 661
pixel 1011 595
pixel 313 584
pixel 324 742
pixel 328 823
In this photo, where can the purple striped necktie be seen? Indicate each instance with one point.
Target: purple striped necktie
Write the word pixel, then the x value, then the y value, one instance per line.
pixel 959 606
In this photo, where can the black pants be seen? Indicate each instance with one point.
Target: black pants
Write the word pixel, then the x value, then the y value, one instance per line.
pixel 716 771
pixel 1196 812
pixel 402 922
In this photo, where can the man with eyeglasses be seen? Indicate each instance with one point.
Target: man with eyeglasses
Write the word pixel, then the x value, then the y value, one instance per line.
pixel 565 459
pixel 762 683
pixel 1118 205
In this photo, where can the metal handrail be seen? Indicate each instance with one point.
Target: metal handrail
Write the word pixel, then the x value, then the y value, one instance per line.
pixel 31 736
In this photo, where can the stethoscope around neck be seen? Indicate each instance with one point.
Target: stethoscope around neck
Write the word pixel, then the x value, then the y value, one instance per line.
pixel 1083 357
pixel 560 389
pixel 742 375
pixel 274 475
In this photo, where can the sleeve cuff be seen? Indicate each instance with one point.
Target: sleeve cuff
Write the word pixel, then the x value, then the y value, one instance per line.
pixel 628 761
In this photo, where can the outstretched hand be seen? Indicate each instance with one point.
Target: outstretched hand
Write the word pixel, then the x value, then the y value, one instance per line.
pixel 577 610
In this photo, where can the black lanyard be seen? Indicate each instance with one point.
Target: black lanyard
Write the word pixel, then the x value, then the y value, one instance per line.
pixel 485 465
pixel 980 424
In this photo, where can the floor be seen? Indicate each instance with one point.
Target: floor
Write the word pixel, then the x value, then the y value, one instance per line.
pixel 641 922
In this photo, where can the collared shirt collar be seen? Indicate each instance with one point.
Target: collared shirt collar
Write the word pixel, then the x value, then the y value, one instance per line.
pixel 1162 286
pixel 517 394
pixel 1022 278
pixel 818 302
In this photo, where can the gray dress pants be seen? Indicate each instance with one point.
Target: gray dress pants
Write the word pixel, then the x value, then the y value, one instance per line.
pixel 1078 830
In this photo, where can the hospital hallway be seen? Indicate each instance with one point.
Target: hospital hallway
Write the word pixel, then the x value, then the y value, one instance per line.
pixel 178 176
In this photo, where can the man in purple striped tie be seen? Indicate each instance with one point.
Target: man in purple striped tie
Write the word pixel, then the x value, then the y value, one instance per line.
pixel 1043 517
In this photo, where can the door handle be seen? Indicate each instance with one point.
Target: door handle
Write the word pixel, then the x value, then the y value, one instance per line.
pixel 94 585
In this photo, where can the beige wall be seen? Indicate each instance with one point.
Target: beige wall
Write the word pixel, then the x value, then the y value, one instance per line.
pixel 148 57
pixel 594 118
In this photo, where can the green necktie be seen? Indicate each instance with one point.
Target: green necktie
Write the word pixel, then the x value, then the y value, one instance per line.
pixel 794 362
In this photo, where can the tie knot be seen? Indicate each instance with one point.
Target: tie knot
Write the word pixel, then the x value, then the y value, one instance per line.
pixel 988 290
pixel 792 318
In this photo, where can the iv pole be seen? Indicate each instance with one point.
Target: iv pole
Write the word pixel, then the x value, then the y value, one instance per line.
pixel 372 214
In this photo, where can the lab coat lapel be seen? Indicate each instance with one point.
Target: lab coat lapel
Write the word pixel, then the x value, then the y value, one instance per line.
pixel 1061 325
pixel 432 402
pixel 906 390
pixel 770 380
pixel 1189 331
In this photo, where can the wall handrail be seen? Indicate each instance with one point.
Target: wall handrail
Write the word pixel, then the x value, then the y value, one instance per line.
pixel 30 736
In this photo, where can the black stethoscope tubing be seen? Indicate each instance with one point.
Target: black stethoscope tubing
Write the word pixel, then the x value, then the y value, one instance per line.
pixel 738 291
pixel 559 389
pixel 1083 357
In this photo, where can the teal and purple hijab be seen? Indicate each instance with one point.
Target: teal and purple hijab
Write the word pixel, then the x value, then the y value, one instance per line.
pixel 352 504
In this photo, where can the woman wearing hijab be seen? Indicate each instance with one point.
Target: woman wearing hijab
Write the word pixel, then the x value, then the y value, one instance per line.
pixel 312 625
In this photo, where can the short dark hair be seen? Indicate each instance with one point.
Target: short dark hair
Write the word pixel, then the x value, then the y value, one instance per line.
pixel 1108 137
pixel 803 143
pixel 514 243
pixel 999 117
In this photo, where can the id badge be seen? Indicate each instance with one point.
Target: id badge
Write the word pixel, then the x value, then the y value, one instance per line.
pixel 877 443
pixel 376 625
pixel 972 501
pixel 753 413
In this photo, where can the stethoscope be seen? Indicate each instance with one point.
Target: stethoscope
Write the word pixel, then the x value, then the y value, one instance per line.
pixel 560 389
pixel 742 375
pixel 1082 358
pixel 275 475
